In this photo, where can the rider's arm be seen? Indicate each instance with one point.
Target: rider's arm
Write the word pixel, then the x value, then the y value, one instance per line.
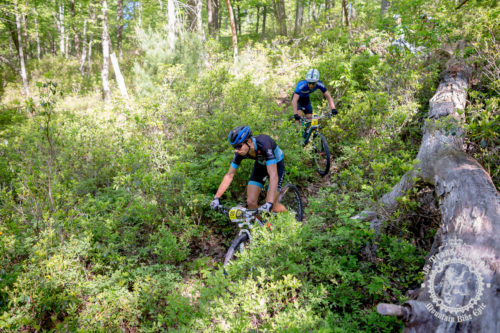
pixel 295 100
pixel 272 192
pixel 226 181
pixel 329 99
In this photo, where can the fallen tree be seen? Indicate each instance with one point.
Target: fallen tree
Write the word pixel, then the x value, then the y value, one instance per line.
pixel 460 290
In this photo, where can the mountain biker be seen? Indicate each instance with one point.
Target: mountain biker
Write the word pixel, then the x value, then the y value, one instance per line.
pixel 301 98
pixel 268 162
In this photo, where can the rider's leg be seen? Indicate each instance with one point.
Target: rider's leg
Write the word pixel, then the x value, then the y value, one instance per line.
pixel 255 185
pixel 278 207
pixel 253 192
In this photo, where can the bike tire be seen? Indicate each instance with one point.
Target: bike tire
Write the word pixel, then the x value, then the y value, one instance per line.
pixel 236 246
pixel 290 198
pixel 321 154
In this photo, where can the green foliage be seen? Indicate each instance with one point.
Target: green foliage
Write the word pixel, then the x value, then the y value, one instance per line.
pixel 104 217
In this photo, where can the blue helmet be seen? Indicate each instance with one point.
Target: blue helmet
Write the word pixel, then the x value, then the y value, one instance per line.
pixel 238 135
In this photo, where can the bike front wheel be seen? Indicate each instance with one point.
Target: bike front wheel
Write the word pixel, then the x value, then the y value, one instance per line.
pixel 290 198
pixel 321 154
pixel 236 248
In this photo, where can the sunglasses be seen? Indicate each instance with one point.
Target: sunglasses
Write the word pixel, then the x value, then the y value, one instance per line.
pixel 238 146
pixel 311 83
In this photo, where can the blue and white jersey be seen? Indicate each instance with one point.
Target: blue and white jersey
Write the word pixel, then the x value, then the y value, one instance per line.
pixel 303 90
pixel 267 151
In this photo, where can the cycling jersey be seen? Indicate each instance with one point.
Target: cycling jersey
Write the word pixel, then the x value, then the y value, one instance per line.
pixel 266 149
pixel 303 90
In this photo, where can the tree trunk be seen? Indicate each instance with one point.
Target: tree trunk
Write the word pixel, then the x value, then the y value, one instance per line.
pixel 238 20
pixel 257 25
pixel 299 15
pixel 460 291
pixel 75 32
pixel 26 38
pixel 346 13
pixel 22 67
pixel 171 25
pixel 119 26
pixel 105 53
pixel 37 37
pixel 384 6
pixel 233 29
pixel 216 8
pixel 328 7
pixel 314 14
pixel 84 47
pixel 264 16
pixel 118 76
pixel 199 19
pixel 210 17
pixel 281 16
pixel 60 27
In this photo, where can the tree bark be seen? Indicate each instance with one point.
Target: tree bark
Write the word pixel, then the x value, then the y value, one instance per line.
pixel 119 26
pixel 281 16
pixel 210 17
pixel 384 6
pixel 328 7
pixel 257 25
pixel 60 27
pixel 264 16
pixel 171 39
pixel 22 67
pixel 37 37
pixel 105 53
pixel 233 29
pixel 199 19
pixel 84 47
pixel 119 76
pixel 76 38
pixel 299 15
pixel 346 13
pixel 470 225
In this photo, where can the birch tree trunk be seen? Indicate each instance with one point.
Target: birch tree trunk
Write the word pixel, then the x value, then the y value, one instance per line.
pixel 60 27
pixel 73 26
pixel 210 17
pixel 119 25
pixel 22 64
pixel 37 37
pixel 105 53
pixel 119 76
pixel 171 25
pixel 299 15
pixel 84 47
pixel 233 29
pixel 199 19
pixel 460 291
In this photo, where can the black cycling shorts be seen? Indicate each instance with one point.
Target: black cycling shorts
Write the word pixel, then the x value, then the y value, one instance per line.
pixel 260 175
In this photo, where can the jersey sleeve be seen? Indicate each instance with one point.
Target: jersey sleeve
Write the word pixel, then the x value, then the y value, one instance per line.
pixel 299 87
pixel 236 161
pixel 267 147
pixel 321 86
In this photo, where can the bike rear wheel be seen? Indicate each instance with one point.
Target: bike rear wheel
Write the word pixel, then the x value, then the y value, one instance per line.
pixel 290 198
pixel 236 248
pixel 321 154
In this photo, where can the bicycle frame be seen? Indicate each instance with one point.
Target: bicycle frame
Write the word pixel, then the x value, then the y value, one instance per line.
pixel 244 217
pixel 310 126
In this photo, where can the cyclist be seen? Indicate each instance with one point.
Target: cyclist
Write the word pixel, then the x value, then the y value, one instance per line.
pixel 268 162
pixel 301 98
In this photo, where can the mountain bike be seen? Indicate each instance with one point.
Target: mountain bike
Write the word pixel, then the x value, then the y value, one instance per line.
pixel 248 218
pixel 312 133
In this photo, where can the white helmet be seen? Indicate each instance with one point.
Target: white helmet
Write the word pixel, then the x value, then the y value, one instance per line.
pixel 312 75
